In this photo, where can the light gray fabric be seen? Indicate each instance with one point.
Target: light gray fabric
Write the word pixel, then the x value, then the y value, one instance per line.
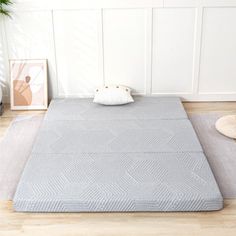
pixel 15 148
pixel 110 162
pixel 117 136
pixel 220 152
pixel 142 108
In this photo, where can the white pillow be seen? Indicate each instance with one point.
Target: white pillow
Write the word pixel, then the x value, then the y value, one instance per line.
pixel 113 95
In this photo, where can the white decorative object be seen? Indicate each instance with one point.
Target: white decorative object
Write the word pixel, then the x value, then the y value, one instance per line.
pixel 113 95
pixel 226 125
pixel 29 89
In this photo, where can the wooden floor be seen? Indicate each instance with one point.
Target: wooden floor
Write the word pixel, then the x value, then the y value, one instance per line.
pixel 220 223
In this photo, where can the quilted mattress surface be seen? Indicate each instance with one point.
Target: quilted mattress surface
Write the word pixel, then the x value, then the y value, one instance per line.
pixel 143 156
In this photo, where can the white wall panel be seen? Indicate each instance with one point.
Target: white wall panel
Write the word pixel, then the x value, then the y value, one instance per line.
pixel 181 3
pixel 218 54
pixel 181 47
pixel 125 47
pixel 173 41
pixel 77 51
pixel 30 36
pixel 4 83
pixel 85 4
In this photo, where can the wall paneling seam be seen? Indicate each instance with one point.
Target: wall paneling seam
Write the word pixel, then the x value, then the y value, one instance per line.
pixel 197 49
pixel 148 54
pixel 55 55
pixel 101 47
pixel 6 56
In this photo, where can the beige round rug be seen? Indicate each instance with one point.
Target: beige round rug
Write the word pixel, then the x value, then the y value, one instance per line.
pixel 226 125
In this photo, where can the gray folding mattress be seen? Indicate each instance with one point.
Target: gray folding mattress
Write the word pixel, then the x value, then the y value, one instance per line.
pixel 143 156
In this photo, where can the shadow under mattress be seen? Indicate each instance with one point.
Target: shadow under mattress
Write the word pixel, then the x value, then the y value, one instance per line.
pixel 143 156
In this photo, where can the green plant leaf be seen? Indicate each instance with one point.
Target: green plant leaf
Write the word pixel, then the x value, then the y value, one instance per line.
pixel 6 2
pixel 3 4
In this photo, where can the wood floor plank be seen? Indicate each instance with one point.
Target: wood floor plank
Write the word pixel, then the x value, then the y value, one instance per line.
pixel 202 107
pixel 202 223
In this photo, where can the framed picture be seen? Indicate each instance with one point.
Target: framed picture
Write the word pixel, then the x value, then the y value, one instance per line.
pixel 29 84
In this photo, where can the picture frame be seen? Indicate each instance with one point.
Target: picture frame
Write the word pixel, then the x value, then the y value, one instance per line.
pixel 29 90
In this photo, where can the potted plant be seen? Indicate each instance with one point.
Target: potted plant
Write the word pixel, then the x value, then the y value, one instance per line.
pixel 4 11
pixel 4 7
